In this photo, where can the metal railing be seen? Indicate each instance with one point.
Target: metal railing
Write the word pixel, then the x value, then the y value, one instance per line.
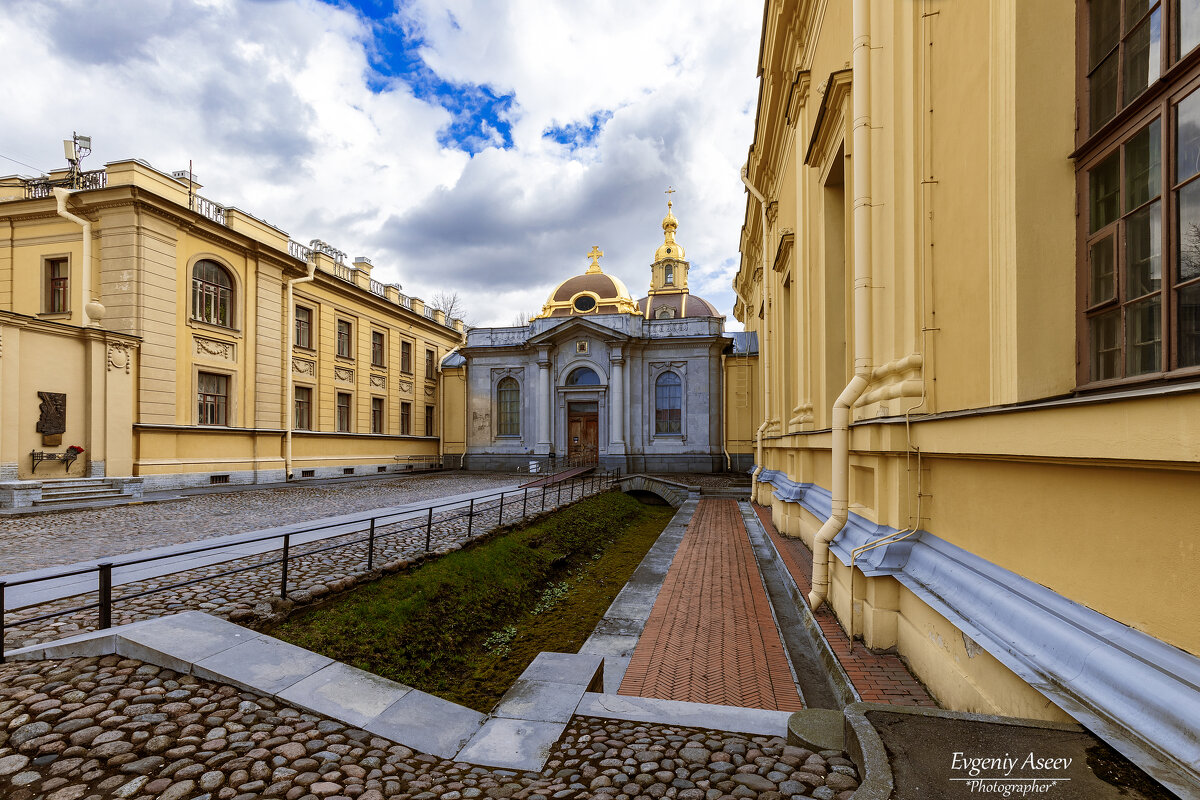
pixel 343 272
pixel 299 251
pixel 207 208
pixel 529 501
pixel 44 187
pixel 377 287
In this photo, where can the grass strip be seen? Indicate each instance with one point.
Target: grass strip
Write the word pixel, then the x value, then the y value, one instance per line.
pixel 465 626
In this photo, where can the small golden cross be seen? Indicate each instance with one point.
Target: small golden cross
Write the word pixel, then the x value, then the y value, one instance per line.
pixel 595 256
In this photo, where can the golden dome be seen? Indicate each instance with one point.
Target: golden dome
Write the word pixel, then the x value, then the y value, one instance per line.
pixel 669 248
pixel 593 292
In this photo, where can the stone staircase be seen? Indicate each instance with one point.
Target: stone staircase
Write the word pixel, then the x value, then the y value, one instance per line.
pixel 736 489
pixel 78 490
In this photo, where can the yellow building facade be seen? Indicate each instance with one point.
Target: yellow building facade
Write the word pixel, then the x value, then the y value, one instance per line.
pixel 968 255
pixel 229 353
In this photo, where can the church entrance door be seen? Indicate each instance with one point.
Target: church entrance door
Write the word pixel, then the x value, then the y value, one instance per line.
pixel 583 430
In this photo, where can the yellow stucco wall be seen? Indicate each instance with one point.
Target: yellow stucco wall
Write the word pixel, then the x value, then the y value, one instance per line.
pixel 973 269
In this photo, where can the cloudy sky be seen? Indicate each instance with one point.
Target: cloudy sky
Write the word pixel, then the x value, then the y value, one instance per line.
pixel 477 146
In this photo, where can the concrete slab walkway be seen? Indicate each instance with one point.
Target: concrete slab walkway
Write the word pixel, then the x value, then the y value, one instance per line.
pixel 711 636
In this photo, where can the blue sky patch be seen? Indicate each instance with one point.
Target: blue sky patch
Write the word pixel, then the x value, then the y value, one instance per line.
pixel 480 113
pixel 579 134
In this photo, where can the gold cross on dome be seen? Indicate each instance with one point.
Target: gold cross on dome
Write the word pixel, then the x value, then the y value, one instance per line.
pixel 595 256
pixel 670 191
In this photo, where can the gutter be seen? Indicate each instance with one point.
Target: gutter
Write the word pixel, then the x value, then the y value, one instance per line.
pixel 762 344
pixel 93 311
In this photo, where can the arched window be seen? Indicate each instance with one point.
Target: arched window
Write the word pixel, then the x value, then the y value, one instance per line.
pixel 583 376
pixel 508 402
pixel 212 294
pixel 668 404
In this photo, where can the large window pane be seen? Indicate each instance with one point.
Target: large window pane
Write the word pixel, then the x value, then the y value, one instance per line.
pixel 1105 191
pixel 1143 56
pixel 1103 265
pixel 1187 136
pixel 1143 251
pixel 1104 26
pixel 1105 338
pixel 1189 25
pixel 1102 91
pixel 1143 166
pixel 1189 231
pixel 1188 324
pixel 1143 330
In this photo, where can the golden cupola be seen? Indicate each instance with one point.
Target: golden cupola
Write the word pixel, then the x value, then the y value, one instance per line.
pixel 592 292
pixel 669 248
pixel 669 296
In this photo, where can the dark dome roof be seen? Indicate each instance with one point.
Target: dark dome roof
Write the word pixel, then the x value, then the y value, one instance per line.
pixel 606 287
pixel 678 305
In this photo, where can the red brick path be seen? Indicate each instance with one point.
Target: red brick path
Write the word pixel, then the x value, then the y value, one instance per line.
pixel 710 637
pixel 879 678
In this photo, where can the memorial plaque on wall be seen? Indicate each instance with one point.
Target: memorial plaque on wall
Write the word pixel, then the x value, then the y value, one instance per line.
pixel 53 420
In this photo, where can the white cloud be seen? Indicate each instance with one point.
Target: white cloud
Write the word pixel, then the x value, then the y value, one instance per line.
pixel 274 104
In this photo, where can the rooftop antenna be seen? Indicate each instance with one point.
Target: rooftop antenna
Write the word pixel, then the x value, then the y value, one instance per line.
pixel 76 149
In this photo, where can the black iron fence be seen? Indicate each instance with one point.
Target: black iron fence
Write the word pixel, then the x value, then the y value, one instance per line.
pixel 480 514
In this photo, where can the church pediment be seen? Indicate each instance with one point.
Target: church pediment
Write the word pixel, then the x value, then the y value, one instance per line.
pixel 573 327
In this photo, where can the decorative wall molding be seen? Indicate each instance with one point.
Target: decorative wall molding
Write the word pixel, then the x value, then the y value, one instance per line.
pixel 302 366
pixel 405 385
pixel 430 391
pixel 343 374
pixel 119 356
pixel 214 348
pixel 379 381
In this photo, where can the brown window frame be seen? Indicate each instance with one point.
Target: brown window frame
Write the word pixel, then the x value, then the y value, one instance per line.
pixel 378 349
pixel 405 418
pixel 303 408
pixel 429 421
pixel 430 364
pixel 378 415
pixel 508 407
pixel 212 406
pixel 344 412
pixel 304 327
pixel 58 287
pixel 212 301
pixel 1178 79
pixel 406 349
pixel 345 339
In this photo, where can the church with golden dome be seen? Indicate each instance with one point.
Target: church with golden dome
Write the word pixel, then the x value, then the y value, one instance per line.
pixel 597 376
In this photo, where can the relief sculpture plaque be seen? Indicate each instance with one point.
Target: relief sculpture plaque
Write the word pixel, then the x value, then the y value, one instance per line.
pixel 53 420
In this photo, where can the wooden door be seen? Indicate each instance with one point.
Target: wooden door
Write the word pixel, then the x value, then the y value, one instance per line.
pixel 583 431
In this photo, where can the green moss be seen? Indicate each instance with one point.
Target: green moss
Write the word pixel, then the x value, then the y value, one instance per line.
pixel 428 627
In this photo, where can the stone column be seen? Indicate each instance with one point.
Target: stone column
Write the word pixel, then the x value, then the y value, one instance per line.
pixel 543 403
pixel 616 402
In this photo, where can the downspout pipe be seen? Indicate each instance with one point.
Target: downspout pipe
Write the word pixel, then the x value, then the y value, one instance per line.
pixel 724 416
pixel 289 400
pixel 442 411
pixel 762 355
pixel 92 310
pixel 861 141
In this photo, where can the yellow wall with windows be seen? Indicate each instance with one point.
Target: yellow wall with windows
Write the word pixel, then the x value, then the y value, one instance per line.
pixel 147 239
pixel 973 270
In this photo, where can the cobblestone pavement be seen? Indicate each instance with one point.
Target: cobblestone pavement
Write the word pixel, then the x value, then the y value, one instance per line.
pixel 67 537
pixel 711 636
pixel 314 570
pixel 98 728
pixel 878 677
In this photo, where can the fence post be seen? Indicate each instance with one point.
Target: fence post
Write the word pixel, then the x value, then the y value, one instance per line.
pixel 105 580
pixel 524 502
pixel 428 529
pixel 2 585
pixel 287 543
pixel 470 517
pixel 500 516
pixel 543 497
pixel 371 547
pixel 558 501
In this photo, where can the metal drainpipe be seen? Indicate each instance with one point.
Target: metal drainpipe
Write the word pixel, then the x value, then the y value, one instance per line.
pixel 724 416
pixel 289 400
pixel 840 505
pixel 762 342
pixel 92 310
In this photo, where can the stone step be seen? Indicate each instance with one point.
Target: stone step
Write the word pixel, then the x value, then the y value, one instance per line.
pixel 51 484
pixel 74 491
pixel 109 494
